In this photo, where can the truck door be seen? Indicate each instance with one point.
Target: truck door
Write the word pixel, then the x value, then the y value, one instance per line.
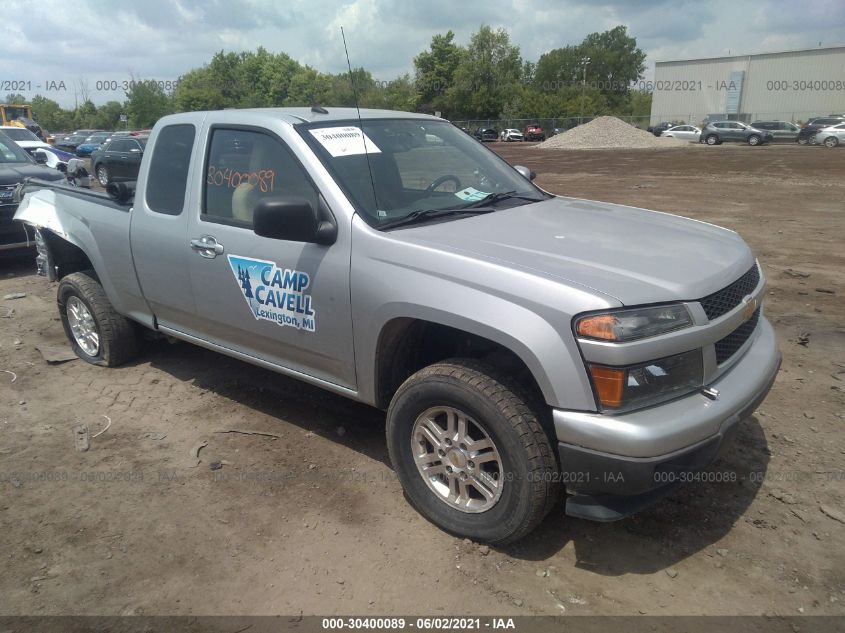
pixel 283 302
pixel 159 226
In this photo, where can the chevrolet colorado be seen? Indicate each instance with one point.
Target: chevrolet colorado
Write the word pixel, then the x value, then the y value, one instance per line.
pixel 524 345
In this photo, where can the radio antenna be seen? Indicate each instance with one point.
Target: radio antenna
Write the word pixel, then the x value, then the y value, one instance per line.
pixel 360 121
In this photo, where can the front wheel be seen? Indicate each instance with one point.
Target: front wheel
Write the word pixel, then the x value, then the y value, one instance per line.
pixel 97 333
pixel 103 175
pixel 754 140
pixel 470 453
pixel 831 141
pixel 712 139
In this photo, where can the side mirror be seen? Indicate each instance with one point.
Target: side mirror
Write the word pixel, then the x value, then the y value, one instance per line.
pixel 40 157
pixel 525 172
pixel 294 219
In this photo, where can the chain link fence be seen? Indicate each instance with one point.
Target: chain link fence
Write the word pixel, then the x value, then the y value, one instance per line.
pixel 556 125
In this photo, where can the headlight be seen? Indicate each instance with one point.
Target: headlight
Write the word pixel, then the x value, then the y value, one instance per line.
pixel 635 386
pixel 632 324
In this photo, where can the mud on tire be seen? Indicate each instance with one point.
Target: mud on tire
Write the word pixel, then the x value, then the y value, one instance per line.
pixel 530 485
pixel 116 336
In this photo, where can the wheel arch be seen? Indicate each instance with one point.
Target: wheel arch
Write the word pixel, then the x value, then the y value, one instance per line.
pixel 534 353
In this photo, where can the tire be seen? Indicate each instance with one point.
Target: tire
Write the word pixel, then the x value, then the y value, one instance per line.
pixel 494 411
pixel 103 175
pixel 712 140
pixel 83 306
pixel 831 141
pixel 803 141
pixel 754 139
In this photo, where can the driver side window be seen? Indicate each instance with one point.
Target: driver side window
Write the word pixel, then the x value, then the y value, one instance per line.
pixel 245 167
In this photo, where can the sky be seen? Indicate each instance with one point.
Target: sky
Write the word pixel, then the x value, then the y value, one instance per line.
pixel 62 49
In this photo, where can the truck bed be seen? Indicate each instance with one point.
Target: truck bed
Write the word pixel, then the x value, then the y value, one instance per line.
pixel 96 224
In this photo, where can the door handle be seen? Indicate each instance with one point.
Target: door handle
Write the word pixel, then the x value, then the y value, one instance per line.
pixel 207 246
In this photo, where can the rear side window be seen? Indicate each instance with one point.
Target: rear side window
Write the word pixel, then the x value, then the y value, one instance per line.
pixel 168 176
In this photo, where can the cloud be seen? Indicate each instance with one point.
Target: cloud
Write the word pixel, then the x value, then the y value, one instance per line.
pixel 92 41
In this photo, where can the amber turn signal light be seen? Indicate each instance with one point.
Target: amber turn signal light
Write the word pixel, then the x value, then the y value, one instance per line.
pixel 609 383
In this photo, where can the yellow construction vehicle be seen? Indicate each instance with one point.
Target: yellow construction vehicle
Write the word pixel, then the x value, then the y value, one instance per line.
pixel 20 115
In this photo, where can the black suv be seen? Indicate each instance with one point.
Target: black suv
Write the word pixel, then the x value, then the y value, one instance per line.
pixel 808 132
pixel 486 134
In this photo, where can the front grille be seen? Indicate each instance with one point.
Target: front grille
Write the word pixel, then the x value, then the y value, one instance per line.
pixel 728 298
pixel 727 347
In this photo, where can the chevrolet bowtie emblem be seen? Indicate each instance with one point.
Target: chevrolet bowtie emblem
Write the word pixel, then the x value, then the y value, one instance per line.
pixel 750 307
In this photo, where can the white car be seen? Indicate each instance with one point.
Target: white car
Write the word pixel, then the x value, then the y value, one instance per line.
pixel 74 168
pixel 830 136
pixel 511 135
pixel 31 143
pixel 683 132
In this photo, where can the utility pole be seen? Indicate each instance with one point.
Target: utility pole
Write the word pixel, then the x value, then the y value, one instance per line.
pixel 585 61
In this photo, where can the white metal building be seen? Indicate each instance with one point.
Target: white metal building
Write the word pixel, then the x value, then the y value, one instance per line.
pixel 786 86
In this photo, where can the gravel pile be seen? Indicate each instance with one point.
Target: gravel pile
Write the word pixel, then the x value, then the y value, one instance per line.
pixel 608 132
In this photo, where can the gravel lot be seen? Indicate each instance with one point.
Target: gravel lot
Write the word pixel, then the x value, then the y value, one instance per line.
pixel 309 518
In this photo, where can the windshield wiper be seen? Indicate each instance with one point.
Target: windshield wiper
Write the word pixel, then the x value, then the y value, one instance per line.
pixel 421 215
pixel 493 198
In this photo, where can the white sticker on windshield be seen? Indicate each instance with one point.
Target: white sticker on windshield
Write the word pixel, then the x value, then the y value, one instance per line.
pixel 471 194
pixel 345 141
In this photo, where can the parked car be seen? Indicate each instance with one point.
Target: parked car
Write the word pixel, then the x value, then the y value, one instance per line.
pixel 118 160
pixel 511 134
pixel 15 165
pixel 513 367
pixel 808 131
pixel 719 132
pixel 28 141
pixel 23 137
pixel 658 129
pixel 533 133
pixel 781 130
pixel 92 143
pixel 486 134
pixel 831 136
pixel 683 132
pixel 71 142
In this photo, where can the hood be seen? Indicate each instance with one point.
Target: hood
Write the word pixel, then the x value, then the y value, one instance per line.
pixel 13 173
pixel 634 255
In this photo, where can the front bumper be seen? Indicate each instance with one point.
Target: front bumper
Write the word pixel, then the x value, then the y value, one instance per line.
pixel 616 465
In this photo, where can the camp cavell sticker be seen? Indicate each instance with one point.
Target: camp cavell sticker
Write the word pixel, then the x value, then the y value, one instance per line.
pixel 275 294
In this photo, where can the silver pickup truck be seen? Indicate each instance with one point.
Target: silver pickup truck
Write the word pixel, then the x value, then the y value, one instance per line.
pixel 524 345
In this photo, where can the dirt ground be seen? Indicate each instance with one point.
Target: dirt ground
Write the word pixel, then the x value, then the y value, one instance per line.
pixel 313 521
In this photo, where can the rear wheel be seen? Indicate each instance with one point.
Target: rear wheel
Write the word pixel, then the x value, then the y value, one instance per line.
pixel 97 333
pixel 712 139
pixel 831 141
pixel 470 452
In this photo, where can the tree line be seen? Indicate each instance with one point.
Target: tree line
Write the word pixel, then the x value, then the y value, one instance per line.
pixel 486 79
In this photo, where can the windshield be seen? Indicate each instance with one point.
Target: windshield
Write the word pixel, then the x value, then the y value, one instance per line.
pixel 10 152
pixel 20 134
pixel 416 165
pixel 17 112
